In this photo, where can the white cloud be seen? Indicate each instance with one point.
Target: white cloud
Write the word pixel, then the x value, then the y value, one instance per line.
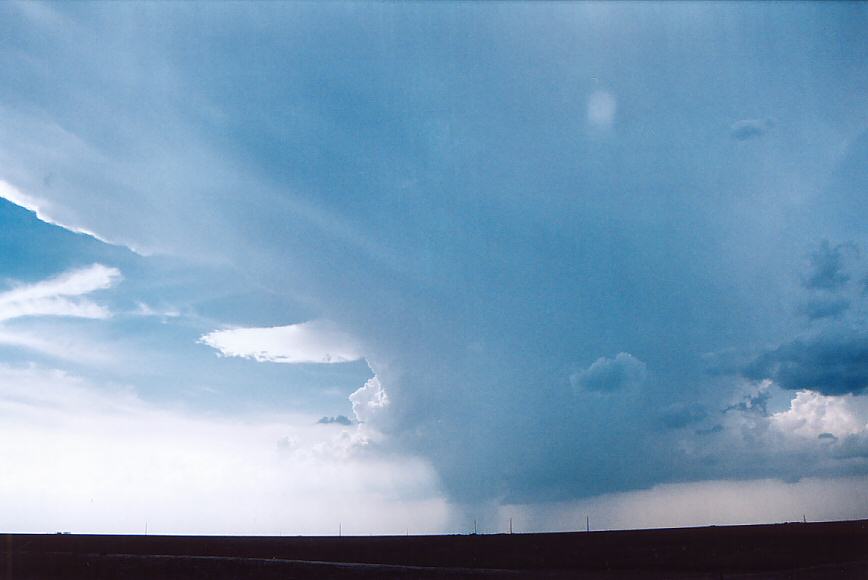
pixel 143 309
pixel 93 459
pixel 61 295
pixel 369 399
pixel 318 341
pixel 601 109
pixel 42 209
pixel 811 414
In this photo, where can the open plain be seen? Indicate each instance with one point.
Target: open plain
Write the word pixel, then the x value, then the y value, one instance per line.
pixel 791 551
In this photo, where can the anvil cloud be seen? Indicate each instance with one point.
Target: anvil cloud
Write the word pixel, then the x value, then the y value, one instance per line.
pixel 584 249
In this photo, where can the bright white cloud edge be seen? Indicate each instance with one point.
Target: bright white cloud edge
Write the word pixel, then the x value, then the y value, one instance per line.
pixel 317 341
pixel 40 209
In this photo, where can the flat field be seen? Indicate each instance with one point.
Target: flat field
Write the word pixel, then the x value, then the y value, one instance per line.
pixel 791 551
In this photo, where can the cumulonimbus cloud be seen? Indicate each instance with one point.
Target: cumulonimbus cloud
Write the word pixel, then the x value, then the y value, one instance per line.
pixel 545 245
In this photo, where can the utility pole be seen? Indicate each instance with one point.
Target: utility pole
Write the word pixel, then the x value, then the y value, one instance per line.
pixel 510 525
pixel 587 523
pixel 475 529
pixel 340 529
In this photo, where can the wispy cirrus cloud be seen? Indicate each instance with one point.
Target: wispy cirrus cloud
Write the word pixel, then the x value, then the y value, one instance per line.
pixel 62 295
pixel 60 344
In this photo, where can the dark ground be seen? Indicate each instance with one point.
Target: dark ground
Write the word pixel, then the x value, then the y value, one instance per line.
pixel 782 551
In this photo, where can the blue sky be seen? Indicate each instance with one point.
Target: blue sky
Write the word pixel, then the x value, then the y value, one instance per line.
pixel 545 259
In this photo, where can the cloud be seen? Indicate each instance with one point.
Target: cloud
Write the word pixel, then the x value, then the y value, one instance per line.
pixel 338 420
pixel 99 459
pixel 546 249
pixel 813 415
pixel 853 446
pixel 143 309
pixel 751 128
pixel 13 195
pixel 831 363
pixel 826 266
pixel 602 107
pixel 369 400
pixel 317 341
pixel 60 344
pixel 61 295
pixel 825 307
pixel 611 374
pixel 755 402
pixel 681 415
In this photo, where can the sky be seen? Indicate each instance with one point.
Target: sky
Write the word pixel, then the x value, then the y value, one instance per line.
pixel 277 268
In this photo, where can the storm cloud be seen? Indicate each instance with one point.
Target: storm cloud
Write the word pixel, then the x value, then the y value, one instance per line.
pixel 819 308
pixel 833 363
pixel 534 297
pixel 827 266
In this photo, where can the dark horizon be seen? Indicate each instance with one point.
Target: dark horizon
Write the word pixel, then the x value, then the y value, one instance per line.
pixel 830 549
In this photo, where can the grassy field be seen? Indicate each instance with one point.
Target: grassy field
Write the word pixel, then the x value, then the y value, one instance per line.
pixel 804 551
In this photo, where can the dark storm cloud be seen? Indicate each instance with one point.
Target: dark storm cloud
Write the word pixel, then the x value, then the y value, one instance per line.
pixel 826 266
pixel 831 364
pixel 751 128
pixel 437 196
